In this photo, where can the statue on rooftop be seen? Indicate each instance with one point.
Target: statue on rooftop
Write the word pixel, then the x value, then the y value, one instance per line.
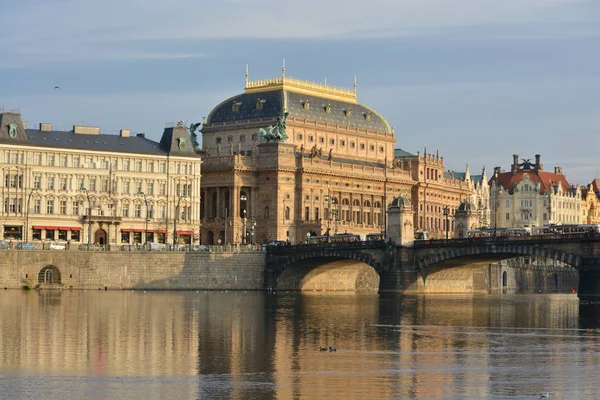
pixel 277 132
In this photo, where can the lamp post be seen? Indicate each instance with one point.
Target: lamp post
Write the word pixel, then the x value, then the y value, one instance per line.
pixel 328 199
pixel 27 215
pixel 252 227
pixel 447 215
pixel 243 198
pixel 145 230
pixel 89 217
pixel 176 218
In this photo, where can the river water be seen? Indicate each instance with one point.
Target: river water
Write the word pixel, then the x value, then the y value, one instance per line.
pixel 198 345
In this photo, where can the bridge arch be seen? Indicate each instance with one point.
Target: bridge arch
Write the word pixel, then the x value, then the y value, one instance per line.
pixel 326 269
pixel 458 256
pixel 49 275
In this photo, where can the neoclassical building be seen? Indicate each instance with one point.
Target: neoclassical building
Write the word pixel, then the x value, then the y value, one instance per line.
pixel 436 191
pixel 125 178
pixel 528 196
pixel 333 173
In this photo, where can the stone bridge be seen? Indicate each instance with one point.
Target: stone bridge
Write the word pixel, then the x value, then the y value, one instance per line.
pixel 431 266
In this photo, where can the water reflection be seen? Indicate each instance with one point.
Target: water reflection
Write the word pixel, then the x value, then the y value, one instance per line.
pixel 136 345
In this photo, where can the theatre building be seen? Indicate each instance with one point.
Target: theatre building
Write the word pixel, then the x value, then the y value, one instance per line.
pixel 79 185
pixel 334 173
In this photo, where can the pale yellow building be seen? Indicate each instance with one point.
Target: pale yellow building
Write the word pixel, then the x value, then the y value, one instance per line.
pixel 528 196
pixel 590 203
pixel 125 178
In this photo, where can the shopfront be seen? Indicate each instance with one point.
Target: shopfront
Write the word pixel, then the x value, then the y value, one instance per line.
pixel 13 232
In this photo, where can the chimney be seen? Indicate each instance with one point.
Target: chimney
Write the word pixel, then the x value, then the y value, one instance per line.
pixel 86 130
pixel 515 166
pixel 45 127
pixel 558 170
pixel 496 171
pixel 538 166
pixel 125 133
pixel 24 124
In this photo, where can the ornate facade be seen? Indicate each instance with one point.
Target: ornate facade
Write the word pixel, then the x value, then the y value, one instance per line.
pixel 332 173
pixel 436 193
pixel 529 196
pixel 124 179
pixel 590 203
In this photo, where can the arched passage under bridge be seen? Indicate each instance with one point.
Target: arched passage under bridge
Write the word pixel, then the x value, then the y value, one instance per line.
pixel 329 274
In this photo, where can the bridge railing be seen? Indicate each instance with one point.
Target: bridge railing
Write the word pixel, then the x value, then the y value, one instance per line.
pixel 529 239
pixel 371 244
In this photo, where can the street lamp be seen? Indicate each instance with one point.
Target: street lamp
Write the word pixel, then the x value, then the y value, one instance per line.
pixel 176 218
pixel 243 212
pixel 328 199
pixel 447 215
pixel 27 215
pixel 140 193
pixel 252 227
pixel 82 189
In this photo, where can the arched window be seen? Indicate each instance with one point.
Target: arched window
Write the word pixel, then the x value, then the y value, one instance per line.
pixel 377 204
pixel 345 202
pixel 266 212
pixel 356 202
pixel 367 203
pixel 287 213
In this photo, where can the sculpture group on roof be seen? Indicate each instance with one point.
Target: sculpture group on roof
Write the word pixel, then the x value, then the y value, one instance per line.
pixel 275 133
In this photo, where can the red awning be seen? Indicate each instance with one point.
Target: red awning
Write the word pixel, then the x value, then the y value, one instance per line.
pixel 76 228
pixel 139 230
pixel 50 228
pixel 64 228
pixel 37 227
pixel 126 230
pixel 161 231
pixel 185 232
pixel 150 231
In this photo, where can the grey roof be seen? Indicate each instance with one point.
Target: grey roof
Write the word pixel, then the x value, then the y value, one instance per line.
pixel 272 103
pixel 476 178
pixel 459 175
pixel 402 153
pixel 115 143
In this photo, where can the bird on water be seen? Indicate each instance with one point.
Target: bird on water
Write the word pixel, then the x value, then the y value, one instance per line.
pixel 331 349
pixel 545 395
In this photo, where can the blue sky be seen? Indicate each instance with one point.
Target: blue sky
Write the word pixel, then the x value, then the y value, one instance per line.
pixel 477 79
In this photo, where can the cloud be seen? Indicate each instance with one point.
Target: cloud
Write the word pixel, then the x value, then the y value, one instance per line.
pixel 82 28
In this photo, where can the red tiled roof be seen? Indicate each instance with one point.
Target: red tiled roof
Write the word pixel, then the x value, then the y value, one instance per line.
pixel 596 186
pixel 545 179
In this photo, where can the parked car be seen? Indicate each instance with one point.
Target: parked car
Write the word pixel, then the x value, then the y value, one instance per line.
pixel 199 247
pixel 93 247
pixel 275 243
pixel 56 246
pixel 5 245
pixel 26 246
pixel 155 246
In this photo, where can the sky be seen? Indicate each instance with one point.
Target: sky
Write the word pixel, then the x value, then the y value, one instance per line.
pixel 480 80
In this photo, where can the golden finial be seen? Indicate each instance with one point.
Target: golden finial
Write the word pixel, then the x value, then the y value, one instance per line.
pixel 283 69
pixel 247 75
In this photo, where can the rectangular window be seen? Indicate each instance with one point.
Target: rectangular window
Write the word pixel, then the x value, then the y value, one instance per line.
pixel 332 141
pixel 36 234
pixel 63 161
pixel 150 191
pixel 150 166
pixel 150 211
pixel 321 140
pixel 38 159
pixel 342 143
pixel 105 185
pixel 316 213
pixel 242 138
pixel 126 188
pixel 81 183
pixel 138 187
pixel 76 162
pixel 163 167
pixel 352 145
pixel 49 234
pixel 14 158
pixel 381 149
pixel 63 207
pixel 50 207
pixel 362 146
pixel 163 189
pixel 75 208
pixel 372 148
pixel 51 160
pixel 138 166
pixel 93 184
pixel 507 203
pixel 126 165
pixel 229 139
pixel 37 206
pixel 311 138
pixel 63 184
pixel 218 140
pixel 138 211
pixel 162 211
pixel 254 137
pixel 51 183
pixel 307 213
pixel 125 210
pixel 299 136
pixel 507 216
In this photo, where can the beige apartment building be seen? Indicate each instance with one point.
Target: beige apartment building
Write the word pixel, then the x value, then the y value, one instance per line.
pixel 528 196
pixel 82 185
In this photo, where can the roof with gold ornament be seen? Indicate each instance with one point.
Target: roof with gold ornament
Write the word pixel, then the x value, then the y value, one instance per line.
pixel 269 98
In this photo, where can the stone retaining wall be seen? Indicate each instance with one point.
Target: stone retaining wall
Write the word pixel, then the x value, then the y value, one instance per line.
pixel 134 270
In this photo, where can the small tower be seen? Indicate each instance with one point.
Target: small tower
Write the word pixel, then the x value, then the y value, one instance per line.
pixel 465 218
pixel 400 229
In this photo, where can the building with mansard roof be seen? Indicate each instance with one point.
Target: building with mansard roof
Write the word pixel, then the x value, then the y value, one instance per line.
pixel 132 186
pixel 527 195
pixel 333 173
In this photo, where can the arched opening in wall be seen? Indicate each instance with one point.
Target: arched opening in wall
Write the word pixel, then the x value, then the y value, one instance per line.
pixel 211 238
pixel 100 237
pixel 213 206
pixel 504 279
pixel 49 275
pixel 222 237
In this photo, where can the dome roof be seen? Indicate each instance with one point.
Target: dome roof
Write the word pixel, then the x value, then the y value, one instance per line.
pixel 466 205
pixel 301 100
pixel 400 201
